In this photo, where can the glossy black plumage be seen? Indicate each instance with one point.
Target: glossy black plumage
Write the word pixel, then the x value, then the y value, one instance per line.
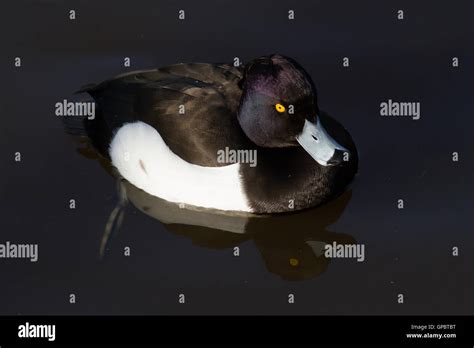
pixel 209 94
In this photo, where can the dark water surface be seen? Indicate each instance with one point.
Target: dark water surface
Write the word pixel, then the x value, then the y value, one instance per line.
pixel 408 251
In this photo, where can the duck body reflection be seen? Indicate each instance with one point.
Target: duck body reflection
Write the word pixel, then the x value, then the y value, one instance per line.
pixel 291 245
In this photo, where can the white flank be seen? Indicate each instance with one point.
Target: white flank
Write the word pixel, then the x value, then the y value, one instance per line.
pixel 143 158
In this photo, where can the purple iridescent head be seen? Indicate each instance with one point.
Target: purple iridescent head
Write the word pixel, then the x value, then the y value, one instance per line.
pixel 279 108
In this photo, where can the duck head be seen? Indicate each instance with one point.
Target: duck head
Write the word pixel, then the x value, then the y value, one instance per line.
pixel 279 108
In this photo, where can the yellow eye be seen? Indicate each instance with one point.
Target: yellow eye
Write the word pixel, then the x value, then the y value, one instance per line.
pixel 280 108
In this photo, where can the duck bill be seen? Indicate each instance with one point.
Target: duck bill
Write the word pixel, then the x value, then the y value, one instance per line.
pixel 320 145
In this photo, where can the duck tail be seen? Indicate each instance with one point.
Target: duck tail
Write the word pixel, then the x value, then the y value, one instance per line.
pixel 86 88
pixel 76 125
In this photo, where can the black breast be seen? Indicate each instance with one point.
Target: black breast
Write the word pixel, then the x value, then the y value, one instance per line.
pixel 289 179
